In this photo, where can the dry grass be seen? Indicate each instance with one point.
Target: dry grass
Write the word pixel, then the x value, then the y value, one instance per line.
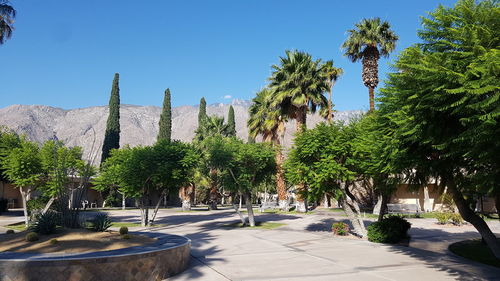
pixel 71 241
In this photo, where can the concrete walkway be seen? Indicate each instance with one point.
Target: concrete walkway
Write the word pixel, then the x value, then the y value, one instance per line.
pixel 304 249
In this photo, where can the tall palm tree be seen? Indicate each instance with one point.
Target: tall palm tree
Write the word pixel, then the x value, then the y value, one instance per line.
pixel 7 15
pixel 298 88
pixel 269 122
pixel 331 75
pixel 371 39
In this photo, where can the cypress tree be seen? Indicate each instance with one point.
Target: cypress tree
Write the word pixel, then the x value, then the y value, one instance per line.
pixel 112 135
pixel 165 132
pixel 202 113
pixel 231 123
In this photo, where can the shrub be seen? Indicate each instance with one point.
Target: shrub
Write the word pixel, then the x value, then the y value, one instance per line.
pixel 123 230
pixel 126 236
pixel 101 222
pixel 340 228
pixel 54 241
pixel 442 218
pixel 32 236
pixel 9 231
pixel 45 223
pixel 35 205
pixel 456 219
pixel 389 230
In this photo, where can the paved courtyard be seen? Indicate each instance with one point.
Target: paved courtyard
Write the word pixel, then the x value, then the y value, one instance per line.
pixel 304 249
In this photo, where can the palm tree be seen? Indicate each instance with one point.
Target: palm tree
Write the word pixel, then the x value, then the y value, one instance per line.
pixel 268 121
pixel 211 126
pixel 298 87
pixel 7 15
pixel 331 75
pixel 371 39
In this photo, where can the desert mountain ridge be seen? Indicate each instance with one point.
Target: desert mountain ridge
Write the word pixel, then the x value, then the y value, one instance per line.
pixel 139 124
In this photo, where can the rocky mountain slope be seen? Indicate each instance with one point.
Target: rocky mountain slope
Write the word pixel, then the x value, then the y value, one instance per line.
pixel 139 124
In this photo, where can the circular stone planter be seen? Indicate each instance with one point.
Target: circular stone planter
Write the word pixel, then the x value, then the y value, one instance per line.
pixel 166 257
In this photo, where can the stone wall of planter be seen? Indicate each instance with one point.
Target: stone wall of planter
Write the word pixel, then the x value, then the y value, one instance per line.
pixel 164 258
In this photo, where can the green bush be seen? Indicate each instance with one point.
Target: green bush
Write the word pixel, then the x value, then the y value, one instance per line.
pixel 340 228
pixel 35 205
pixel 123 230
pixel 389 230
pixel 46 223
pixel 456 219
pixel 101 222
pixel 32 236
pixel 442 218
pixel 54 241
pixel 9 231
pixel 126 236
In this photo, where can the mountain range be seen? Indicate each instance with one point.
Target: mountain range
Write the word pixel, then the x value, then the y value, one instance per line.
pixel 139 124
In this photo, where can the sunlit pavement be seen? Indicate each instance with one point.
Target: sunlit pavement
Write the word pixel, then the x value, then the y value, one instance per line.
pixel 304 249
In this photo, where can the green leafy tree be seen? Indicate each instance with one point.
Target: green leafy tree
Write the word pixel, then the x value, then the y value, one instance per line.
pixel 298 87
pixel 371 39
pixel 7 15
pixel 445 98
pixel 269 122
pixel 231 123
pixel 211 126
pixel 112 134
pixel 140 171
pixel 23 167
pixel 165 131
pixel 243 167
pixel 333 159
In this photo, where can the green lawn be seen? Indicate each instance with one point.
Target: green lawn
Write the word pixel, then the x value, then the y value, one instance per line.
pixel 20 226
pixel 475 250
pixel 258 225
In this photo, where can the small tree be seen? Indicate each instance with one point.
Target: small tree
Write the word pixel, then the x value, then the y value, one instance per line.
pixel 23 167
pixel 243 167
pixel 165 124
pixel 202 111
pixel 325 159
pixel 140 171
pixel 112 134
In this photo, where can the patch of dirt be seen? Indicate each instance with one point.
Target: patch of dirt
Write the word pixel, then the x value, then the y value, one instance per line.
pixel 71 241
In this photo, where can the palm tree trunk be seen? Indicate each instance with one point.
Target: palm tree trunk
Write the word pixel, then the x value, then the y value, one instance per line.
pixel 330 111
pixel 212 202
pixel 301 191
pixel 372 99
pixel 280 181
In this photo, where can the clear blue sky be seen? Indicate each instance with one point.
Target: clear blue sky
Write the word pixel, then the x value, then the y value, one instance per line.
pixel 64 53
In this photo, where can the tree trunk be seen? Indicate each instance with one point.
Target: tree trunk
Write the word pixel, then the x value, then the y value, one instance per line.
pixel 372 98
pixel 497 205
pixel 47 206
pixel 123 201
pixel 280 180
pixel 330 111
pixel 186 193
pixel 144 211
pixel 351 207
pixel 242 218
pixel 469 215
pixel 370 72
pixel 383 205
pixel 24 196
pixel 240 201
pixel 248 201
pixel 300 189
pixel 212 202
pixel 158 205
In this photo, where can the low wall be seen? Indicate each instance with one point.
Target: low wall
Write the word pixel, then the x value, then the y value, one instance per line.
pixel 166 257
